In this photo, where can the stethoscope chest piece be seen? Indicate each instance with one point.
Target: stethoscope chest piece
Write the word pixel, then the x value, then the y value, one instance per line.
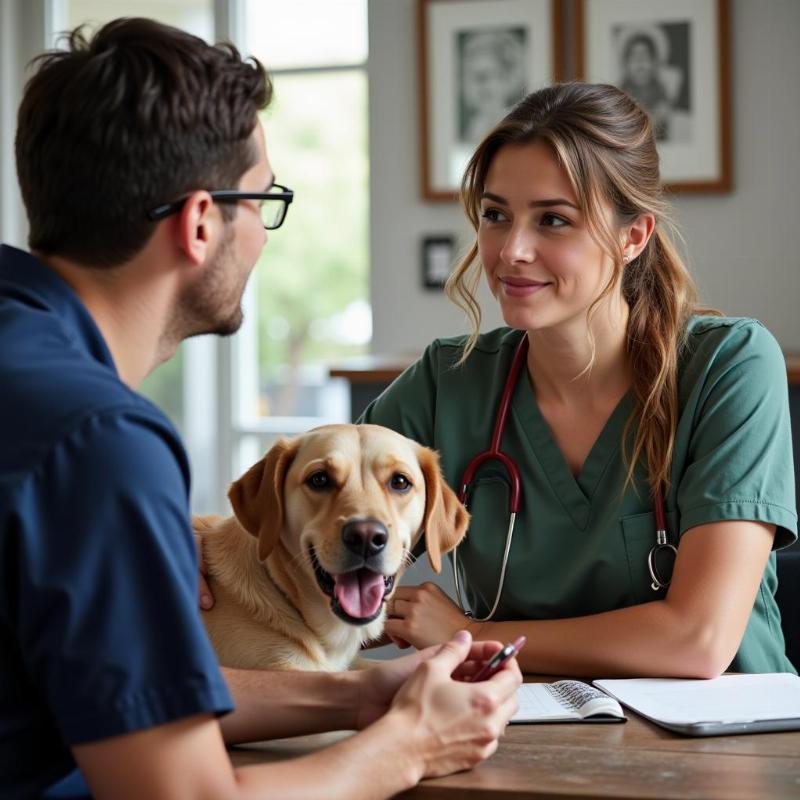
pixel 660 546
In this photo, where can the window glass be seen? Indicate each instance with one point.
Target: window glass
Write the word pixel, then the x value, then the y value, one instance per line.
pixel 312 275
pixel 307 33
pixel 195 16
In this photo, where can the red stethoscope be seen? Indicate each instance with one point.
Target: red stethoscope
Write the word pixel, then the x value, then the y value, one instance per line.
pixel 494 453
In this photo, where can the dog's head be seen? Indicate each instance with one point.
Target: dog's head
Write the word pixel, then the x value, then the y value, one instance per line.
pixel 348 502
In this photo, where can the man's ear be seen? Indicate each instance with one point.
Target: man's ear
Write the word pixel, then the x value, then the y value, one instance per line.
pixel 446 520
pixel 198 223
pixel 257 497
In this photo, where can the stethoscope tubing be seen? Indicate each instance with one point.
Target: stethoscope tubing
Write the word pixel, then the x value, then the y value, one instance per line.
pixel 494 453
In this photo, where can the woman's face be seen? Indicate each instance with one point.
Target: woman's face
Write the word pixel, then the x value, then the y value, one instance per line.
pixel 541 262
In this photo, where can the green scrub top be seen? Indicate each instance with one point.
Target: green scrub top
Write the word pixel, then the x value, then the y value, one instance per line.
pixel 580 544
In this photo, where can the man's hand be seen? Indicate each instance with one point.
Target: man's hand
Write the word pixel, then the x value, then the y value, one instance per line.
pixel 378 684
pixel 454 725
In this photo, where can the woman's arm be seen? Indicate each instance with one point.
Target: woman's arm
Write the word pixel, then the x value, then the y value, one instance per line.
pixel 694 632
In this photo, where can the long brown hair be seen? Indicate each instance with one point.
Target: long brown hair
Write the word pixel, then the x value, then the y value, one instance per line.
pixel 605 144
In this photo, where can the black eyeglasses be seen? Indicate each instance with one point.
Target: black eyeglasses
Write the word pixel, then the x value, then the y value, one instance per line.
pixel 273 207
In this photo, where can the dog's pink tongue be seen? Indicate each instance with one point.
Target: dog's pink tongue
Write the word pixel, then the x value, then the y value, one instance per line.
pixel 359 592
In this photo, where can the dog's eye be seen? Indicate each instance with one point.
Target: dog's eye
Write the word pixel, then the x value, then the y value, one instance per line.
pixel 400 483
pixel 319 480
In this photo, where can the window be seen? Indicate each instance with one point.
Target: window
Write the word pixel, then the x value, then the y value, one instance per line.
pixel 308 301
pixel 195 16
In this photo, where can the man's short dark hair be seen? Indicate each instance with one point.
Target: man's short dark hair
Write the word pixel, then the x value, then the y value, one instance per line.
pixel 137 115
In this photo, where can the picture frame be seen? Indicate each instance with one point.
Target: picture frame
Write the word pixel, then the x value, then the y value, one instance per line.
pixel 674 59
pixel 438 252
pixel 476 59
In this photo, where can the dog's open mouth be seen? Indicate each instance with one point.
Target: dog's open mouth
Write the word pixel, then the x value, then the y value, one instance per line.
pixel 356 596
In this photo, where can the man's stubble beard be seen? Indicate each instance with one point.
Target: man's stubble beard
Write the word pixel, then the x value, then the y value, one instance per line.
pixel 212 304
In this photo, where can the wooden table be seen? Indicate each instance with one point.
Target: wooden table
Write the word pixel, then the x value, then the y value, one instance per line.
pixel 793 368
pixel 631 760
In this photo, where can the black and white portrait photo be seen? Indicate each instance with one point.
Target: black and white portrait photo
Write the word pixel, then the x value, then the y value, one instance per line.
pixel 478 59
pixel 673 59
pixel 491 69
pixel 654 68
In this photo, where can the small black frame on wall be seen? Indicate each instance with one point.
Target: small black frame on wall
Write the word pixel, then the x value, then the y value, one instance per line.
pixel 437 260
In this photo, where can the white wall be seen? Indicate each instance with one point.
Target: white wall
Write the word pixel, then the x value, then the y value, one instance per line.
pixel 742 244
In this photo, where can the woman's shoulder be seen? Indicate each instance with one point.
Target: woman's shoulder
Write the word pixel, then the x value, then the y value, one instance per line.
pixel 491 343
pixel 702 324
pixel 702 327
pixel 718 342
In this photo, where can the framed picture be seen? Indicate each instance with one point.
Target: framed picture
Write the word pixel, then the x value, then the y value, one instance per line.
pixel 673 58
pixel 437 260
pixel 477 58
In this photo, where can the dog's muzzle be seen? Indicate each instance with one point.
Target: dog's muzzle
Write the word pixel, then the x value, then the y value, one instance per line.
pixel 357 595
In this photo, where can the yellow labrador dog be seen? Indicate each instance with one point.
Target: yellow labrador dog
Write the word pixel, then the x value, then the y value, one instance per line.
pixel 323 526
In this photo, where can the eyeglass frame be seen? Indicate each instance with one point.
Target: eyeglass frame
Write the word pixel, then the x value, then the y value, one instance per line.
pixel 286 195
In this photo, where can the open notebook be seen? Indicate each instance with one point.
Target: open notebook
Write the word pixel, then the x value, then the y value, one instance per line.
pixel 725 705
pixel 565 701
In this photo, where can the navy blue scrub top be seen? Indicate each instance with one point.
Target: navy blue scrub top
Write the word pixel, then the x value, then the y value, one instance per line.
pixel 99 628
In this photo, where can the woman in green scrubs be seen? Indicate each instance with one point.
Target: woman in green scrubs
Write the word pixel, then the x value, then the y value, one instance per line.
pixel 628 387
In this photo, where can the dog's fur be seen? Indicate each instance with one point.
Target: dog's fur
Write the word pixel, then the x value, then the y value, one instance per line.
pixel 272 566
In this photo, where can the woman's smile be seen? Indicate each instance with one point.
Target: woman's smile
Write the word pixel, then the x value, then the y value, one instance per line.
pixel 521 287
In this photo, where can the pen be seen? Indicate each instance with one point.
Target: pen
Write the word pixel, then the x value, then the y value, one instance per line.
pixel 498 659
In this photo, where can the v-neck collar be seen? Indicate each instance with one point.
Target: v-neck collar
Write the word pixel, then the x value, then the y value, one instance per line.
pixel 575 493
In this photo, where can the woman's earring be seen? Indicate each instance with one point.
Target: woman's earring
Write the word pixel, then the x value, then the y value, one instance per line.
pixel 626 258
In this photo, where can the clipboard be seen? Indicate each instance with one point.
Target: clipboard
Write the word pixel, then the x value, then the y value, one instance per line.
pixel 730 704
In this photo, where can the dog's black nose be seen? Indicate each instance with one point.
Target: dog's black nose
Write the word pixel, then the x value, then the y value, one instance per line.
pixel 365 537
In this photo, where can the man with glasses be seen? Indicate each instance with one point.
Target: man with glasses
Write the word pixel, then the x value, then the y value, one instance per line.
pixel 145 176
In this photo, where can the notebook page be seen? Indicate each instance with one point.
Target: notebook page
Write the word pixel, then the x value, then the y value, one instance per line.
pixel 536 701
pixel 729 698
pixel 575 694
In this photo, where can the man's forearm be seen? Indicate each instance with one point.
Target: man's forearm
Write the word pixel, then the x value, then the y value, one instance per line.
pixel 376 763
pixel 271 705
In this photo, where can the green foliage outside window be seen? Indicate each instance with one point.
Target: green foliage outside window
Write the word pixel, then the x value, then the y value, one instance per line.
pixel 312 275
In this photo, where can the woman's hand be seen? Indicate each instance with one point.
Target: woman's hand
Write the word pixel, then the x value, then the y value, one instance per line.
pixel 423 616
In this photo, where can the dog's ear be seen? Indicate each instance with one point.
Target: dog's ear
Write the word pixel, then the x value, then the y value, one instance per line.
pixel 257 497
pixel 446 519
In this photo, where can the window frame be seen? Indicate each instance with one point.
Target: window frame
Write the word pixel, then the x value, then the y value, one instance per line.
pixel 218 383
